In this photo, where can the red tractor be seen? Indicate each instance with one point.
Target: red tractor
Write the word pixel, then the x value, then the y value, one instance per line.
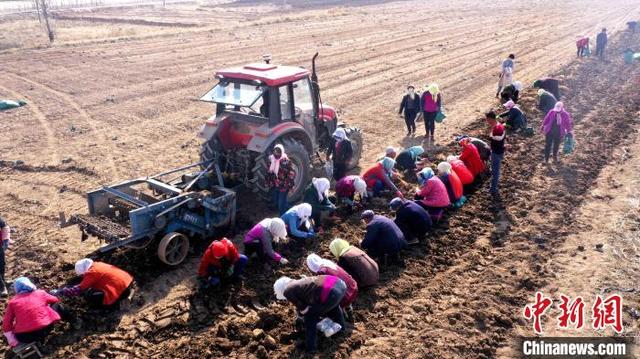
pixel 260 105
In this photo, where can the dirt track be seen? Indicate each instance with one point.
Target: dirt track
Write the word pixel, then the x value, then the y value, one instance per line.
pixel 104 111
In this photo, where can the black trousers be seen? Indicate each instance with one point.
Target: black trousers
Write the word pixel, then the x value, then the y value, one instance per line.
pixel 552 142
pixel 410 119
pixel 600 50
pixel 95 298
pixel 3 284
pixel 430 122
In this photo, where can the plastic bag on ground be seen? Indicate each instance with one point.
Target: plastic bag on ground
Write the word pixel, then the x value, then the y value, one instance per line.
pixel 8 104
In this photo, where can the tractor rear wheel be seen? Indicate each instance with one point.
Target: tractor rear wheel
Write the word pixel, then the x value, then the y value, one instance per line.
pixel 173 248
pixel 208 150
pixel 300 161
pixel 355 135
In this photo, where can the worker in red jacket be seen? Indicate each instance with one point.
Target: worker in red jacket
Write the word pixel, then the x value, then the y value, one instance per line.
pixel 221 261
pixel 471 157
pixel 30 315
pixel 103 285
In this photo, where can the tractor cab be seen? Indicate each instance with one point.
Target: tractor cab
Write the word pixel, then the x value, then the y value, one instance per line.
pixel 260 105
pixel 260 97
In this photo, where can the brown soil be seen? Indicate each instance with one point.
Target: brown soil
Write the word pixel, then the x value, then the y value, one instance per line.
pixel 103 112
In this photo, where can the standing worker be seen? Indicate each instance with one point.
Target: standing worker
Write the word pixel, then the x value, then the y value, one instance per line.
pixel 556 125
pixel 221 261
pixel 5 236
pixel 431 104
pixel 104 285
pixel 497 137
pixel 411 106
pixel 281 177
pixel 340 153
pixel 506 73
pixel 601 43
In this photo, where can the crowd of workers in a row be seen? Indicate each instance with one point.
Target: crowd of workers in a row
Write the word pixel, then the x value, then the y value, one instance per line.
pixel 320 299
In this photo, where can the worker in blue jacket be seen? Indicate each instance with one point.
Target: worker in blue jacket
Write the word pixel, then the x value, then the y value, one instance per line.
pixel 413 220
pixel 297 220
pixel 383 238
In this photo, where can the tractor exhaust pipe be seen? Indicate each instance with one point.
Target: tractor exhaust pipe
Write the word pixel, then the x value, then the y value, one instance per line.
pixel 314 83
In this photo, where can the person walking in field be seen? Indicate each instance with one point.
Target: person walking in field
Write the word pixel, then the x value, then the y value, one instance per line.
pixel 601 43
pixel 506 73
pixel 411 106
pixel 556 125
pixel 431 104
pixel 497 136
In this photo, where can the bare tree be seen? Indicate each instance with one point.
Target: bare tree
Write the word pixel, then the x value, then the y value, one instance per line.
pixel 37 6
pixel 44 9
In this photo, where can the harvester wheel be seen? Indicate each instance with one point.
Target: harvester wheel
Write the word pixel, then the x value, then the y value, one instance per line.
pixel 355 135
pixel 208 150
pixel 301 163
pixel 173 248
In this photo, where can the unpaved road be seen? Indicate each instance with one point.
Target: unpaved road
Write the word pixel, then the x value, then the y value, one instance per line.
pixel 105 111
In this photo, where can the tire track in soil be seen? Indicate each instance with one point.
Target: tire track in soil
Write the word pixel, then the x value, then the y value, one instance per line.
pixel 101 140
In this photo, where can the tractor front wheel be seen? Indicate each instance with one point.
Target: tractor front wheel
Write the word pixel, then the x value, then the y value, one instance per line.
pixel 300 161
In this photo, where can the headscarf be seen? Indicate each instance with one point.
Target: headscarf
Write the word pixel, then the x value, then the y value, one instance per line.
pixel 83 265
pixel 444 167
pixel 559 107
pixel 395 203
pixel 509 104
pixel 23 285
pixel 416 150
pixel 340 133
pixel 464 141
pixel 388 164
pixel 279 287
pixel 303 211
pixel 541 92
pixel 274 167
pixel 433 90
pixel 389 151
pixel 338 247
pixel 322 186
pixel 276 227
pixel 517 85
pixel 315 262
pixel 360 186
pixel 451 158
pixel 424 175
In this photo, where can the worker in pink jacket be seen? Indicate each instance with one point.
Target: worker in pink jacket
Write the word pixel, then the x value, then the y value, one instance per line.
pixel 433 193
pixel 30 315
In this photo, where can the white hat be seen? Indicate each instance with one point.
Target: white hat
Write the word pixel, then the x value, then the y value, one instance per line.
pixel 277 229
pixel 315 262
pixel 83 265
pixel 279 286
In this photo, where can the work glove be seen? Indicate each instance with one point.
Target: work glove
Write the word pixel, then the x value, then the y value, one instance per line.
pixel 284 261
pixel 54 292
pixel 311 233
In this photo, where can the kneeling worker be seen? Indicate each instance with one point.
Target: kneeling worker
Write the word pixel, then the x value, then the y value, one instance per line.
pixel 103 285
pixel 413 220
pixel 383 237
pixel 220 262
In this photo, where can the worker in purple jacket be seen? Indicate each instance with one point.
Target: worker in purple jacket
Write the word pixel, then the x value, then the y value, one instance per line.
pixel 383 237
pixel 555 126
pixel 314 298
